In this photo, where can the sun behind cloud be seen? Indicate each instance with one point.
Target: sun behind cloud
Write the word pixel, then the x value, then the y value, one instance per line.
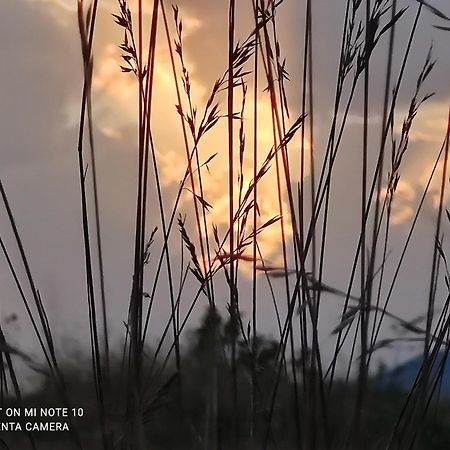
pixel 116 106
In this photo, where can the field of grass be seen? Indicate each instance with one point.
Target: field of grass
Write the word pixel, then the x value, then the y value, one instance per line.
pixel 225 383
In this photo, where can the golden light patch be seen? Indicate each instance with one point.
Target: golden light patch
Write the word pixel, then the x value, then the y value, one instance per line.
pixel 427 134
pixel 406 191
pixel 412 187
pixel 109 79
pixel 431 123
pixel 116 97
pixel 215 181
pixel 436 182
pixel 121 90
pixel 402 206
pixel 117 92
pixel 401 214
pixel 111 133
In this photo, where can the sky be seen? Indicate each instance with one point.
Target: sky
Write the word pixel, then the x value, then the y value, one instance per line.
pixel 40 86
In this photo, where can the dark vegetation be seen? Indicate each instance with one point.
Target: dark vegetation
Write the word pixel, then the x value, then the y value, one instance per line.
pixel 173 424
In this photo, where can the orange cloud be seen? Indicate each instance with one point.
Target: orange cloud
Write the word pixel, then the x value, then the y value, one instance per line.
pixel 402 205
pixel 427 134
pixel 116 110
pixel 430 124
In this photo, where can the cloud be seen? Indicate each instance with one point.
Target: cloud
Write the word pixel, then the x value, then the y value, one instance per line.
pixel 403 203
pixel 426 137
pixel 42 74
pixel 431 123
pixel 115 95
